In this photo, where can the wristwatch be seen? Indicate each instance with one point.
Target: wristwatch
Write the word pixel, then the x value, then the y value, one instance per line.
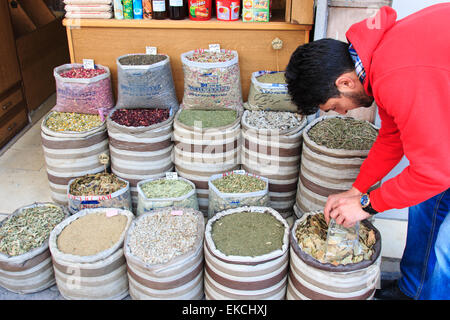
pixel 366 205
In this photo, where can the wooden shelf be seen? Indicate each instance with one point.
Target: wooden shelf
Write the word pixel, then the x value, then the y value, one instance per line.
pixel 212 24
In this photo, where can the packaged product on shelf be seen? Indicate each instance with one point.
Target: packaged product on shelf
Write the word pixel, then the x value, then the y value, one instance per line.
pixel 118 9
pixel 160 193
pixel 228 10
pixel 236 189
pixel 164 254
pixel 212 79
pixel 147 9
pixel 159 9
pixel 127 9
pixel 87 2
pixel 200 9
pixel 89 9
pixel 83 90
pixel 98 190
pixel 177 9
pixel 137 9
pixel 268 91
pixel 256 11
pixel 145 81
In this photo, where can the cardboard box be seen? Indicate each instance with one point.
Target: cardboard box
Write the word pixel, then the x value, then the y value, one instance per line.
pixel 300 11
pixel 256 11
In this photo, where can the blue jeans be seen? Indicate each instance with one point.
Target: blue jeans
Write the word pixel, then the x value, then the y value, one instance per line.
pixel 425 265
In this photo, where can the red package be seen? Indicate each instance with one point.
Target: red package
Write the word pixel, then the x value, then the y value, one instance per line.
pixel 228 10
pixel 200 9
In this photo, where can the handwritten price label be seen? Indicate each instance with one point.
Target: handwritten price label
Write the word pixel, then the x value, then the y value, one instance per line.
pixel 88 64
pixel 151 50
pixel 177 212
pixel 215 47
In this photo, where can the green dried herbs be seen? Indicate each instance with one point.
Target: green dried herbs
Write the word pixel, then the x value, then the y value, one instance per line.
pixel 165 188
pixel 70 121
pixel 98 184
pixel 239 183
pixel 29 229
pixel 247 234
pixel 312 236
pixel 207 118
pixel 343 133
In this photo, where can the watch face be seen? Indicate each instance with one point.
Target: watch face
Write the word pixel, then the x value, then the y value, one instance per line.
pixel 364 200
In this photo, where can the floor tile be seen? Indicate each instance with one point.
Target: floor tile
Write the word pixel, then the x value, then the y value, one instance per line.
pixel 30 159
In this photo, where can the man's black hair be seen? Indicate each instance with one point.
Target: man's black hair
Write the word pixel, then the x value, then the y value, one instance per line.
pixel 312 72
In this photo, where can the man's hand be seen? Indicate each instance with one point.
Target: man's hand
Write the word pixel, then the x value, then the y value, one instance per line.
pixel 345 208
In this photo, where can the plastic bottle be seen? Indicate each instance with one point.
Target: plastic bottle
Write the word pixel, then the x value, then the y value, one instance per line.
pixel 159 9
pixel 177 9
pixel 137 9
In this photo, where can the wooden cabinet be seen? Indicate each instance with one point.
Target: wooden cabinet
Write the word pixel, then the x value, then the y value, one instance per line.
pixel 13 112
pixel 9 65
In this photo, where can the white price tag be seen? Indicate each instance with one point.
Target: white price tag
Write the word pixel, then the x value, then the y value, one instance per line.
pixel 171 175
pixel 151 50
pixel 88 64
pixel 258 209
pixel 214 47
pixel 239 171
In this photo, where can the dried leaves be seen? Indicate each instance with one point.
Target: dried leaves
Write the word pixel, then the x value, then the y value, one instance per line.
pixel 165 188
pixel 312 236
pixel 98 184
pixel 343 133
pixel 29 229
pixel 207 118
pixel 239 183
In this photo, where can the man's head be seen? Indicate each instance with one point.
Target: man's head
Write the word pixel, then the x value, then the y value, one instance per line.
pixel 321 74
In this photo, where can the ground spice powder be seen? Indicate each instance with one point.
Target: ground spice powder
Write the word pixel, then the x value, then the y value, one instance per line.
pixel 207 118
pixel 247 234
pixel 91 234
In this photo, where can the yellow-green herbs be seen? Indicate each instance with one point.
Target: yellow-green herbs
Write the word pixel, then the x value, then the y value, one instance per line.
pixel 29 229
pixel 247 234
pixel 239 183
pixel 207 118
pixel 69 121
pixel 165 188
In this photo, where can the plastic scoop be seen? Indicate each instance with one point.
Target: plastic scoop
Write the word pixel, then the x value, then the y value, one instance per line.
pixel 342 243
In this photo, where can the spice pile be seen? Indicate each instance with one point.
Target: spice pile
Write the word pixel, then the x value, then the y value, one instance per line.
pixel 70 121
pixel 165 188
pixel 205 56
pixel 98 184
pixel 140 117
pixel 207 118
pixel 343 133
pixel 274 77
pixel 161 236
pixel 247 234
pixel 29 229
pixel 239 183
pixel 141 59
pixel 91 234
pixel 82 73
pixel 311 235
pixel 273 119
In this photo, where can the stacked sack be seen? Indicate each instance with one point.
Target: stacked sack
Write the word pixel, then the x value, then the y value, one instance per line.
pixel 89 9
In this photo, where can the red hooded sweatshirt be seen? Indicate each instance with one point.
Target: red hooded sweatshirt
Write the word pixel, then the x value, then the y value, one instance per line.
pixel 407 64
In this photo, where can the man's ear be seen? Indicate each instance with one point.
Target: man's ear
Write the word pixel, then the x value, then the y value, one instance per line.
pixel 347 81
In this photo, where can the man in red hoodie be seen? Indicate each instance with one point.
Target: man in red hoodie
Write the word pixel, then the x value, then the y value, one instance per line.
pixel 405 67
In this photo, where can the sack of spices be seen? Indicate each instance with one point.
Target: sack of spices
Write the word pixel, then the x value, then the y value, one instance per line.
pixel 352 276
pixel 83 90
pixel 98 190
pixel 140 142
pixel 246 255
pixel 236 189
pixel 160 193
pixel 212 79
pixel 25 261
pixel 268 91
pixel 87 252
pixel 145 81
pixel 164 253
